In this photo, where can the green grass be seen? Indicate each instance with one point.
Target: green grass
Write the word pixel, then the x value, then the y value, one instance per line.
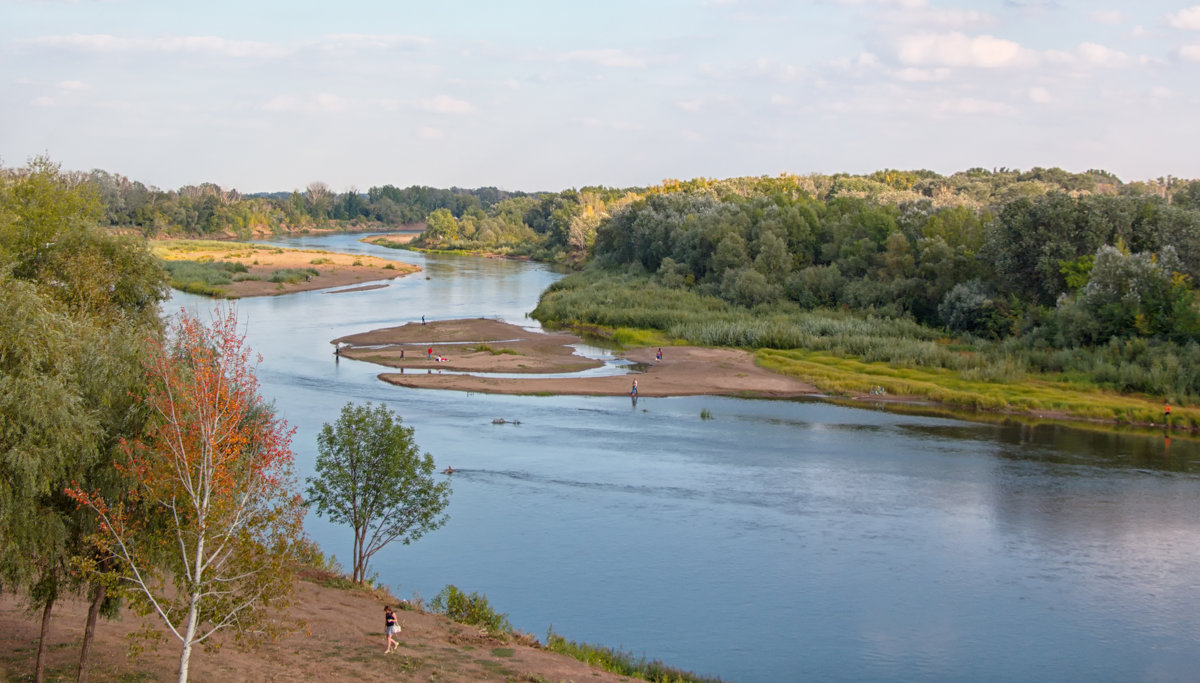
pixel 204 277
pixel 293 275
pixel 1027 393
pixel 622 663
pixel 480 348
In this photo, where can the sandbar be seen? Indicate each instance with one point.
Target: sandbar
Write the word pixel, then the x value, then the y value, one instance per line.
pixel 480 346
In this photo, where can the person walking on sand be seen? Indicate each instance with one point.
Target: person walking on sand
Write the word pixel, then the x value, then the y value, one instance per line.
pixel 390 628
pixel 659 356
pixel 429 354
pixel 633 391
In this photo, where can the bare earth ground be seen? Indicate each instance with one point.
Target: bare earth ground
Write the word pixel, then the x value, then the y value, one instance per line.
pixel 336 270
pixel 477 344
pixel 684 370
pixel 343 640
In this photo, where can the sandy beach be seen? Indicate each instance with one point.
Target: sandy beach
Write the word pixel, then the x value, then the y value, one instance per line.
pixel 488 346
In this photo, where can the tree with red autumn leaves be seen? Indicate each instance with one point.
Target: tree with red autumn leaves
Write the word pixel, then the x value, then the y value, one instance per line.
pixel 207 532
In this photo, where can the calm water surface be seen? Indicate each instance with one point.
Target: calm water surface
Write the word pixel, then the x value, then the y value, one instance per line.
pixel 779 541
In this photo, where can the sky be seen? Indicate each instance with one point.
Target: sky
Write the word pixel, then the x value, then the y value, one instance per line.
pixel 548 95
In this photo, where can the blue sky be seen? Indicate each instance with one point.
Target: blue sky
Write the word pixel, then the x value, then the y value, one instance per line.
pixel 548 95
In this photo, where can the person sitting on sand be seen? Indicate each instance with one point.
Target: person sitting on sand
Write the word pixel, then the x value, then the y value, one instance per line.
pixel 390 628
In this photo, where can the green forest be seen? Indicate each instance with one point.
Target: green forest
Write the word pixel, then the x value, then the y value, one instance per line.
pixel 1080 278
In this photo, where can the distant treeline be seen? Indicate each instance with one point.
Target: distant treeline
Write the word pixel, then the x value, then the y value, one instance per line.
pixel 561 226
pixel 207 209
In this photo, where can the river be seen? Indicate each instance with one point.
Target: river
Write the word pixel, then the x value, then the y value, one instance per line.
pixel 777 541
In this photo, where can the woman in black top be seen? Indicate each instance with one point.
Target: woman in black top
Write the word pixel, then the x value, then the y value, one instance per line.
pixel 391 626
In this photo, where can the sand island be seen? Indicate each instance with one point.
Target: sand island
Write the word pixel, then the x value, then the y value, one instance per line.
pixel 425 352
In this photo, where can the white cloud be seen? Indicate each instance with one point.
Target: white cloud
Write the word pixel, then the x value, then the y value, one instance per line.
pixel 340 42
pixel 1190 53
pixel 445 104
pixel 430 133
pixel 1188 19
pixel 319 103
pixel 1040 95
pixel 701 103
pixel 617 125
pixel 971 105
pixel 771 70
pixel 1160 92
pixel 1109 17
pixel 207 45
pixel 618 59
pixel 73 86
pixel 1100 55
pixel 915 75
pixel 940 18
pixel 957 49
pixel 43 101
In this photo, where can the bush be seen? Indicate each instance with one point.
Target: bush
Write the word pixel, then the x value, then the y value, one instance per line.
pixel 293 275
pixel 472 609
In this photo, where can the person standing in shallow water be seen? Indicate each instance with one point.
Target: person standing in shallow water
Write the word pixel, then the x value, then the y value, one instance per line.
pixel 390 628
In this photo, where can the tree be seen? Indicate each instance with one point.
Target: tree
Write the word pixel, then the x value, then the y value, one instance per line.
pixel 372 476
pixel 441 225
pixel 76 303
pixel 207 530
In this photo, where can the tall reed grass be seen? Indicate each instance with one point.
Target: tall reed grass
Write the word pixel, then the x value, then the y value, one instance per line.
pixel 966 371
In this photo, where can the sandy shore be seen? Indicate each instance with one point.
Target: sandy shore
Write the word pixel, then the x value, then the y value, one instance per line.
pixel 334 270
pixel 488 346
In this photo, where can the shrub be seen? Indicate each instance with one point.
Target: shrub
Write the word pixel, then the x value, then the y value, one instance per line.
pixel 472 609
pixel 293 275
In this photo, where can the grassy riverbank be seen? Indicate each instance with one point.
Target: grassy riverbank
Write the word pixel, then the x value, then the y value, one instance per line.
pixel 846 353
pixel 336 634
pixel 238 269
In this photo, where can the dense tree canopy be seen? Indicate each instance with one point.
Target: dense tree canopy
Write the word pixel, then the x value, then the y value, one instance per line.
pixel 76 305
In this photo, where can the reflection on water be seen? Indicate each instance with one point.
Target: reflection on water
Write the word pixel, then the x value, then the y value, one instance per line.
pixel 777 541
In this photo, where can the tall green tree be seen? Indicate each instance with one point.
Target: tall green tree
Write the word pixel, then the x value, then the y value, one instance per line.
pixel 372 476
pixel 77 303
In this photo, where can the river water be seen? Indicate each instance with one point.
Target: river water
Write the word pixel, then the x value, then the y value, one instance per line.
pixel 777 541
